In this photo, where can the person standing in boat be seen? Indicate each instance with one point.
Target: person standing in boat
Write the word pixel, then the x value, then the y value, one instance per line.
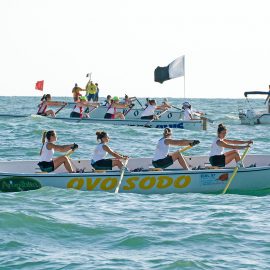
pixel 112 109
pixel 90 90
pixel 98 161
pixel 76 92
pixel 217 157
pixel 162 158
pixel 46 101
pixel 47 163
pixel 96 97
pixel 149 111
pixel 78 108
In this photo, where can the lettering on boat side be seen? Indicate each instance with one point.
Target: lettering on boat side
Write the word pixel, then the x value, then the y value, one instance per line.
pixel 131 183
pixel 15 184
pixel 213 178
pixel 179 125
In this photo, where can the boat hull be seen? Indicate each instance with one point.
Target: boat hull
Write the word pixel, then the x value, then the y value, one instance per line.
pixel 253 180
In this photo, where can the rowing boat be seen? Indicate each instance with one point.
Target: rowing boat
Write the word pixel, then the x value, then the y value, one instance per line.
pixel 254 179
pixel 197 125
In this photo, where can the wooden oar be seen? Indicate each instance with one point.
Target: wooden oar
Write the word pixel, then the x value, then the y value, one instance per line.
pixel 158 116
pixel 139 103
pixel 176 108
pixel 60 109
pixel 121 176
pixel 235 171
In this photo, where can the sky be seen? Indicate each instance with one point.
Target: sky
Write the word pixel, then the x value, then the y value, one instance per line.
pixel 226 46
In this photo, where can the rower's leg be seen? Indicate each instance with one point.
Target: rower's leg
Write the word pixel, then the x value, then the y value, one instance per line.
pixel 50 113
pixel 117 163
pixel 178 156
pixel 231 155
pixel 119 115
pixel 63 160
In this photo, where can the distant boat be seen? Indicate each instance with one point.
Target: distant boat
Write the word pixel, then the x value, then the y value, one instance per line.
pixel 168 118
pixel 254 179
pixel 252 117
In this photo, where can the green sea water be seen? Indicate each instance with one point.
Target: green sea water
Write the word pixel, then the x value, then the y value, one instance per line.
pixel 54 228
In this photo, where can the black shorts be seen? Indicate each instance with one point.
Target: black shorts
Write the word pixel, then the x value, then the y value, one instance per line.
pixel 109 116
pixel 103 164
pixel 42 114
pixel 163 163
pixel 75 115
pixel 149 117
pixel 46 166
pixel 218 161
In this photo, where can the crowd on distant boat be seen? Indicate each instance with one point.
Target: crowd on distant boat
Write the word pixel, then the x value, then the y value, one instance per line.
pixel 83 103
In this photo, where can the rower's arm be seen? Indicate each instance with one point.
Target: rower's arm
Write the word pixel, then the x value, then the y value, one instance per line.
pixel 111 152
pixel 230 146
pixel 177 142
pixel 59 148
pixel 238 141
pixel 56 103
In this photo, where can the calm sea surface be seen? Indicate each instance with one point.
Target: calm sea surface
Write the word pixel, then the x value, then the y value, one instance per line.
pixel 68 229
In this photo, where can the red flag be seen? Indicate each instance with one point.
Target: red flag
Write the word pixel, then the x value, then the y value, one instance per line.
pixel 39 85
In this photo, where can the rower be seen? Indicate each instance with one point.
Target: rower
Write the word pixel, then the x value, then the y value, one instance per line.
pixel 149 111
pixel 217 157
pixel 112 113
pixel 47 163
pixel 188 112
pixel 46 101
pixel 162 158
pixel 98 160
pixel 78 108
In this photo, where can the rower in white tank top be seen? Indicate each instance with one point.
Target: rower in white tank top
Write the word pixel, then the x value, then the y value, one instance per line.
pixel 216 150
pixel 149 110
pixel 99 153
pixel 162 150
pixel 46 154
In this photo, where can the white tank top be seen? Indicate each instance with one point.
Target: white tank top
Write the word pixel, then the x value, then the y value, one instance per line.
pixel 187 113
pixel 216 150
pixel 46 154
pixel 149 110
pixel 77 109
pixel 162 150
pixel 99 153
pixel 111 110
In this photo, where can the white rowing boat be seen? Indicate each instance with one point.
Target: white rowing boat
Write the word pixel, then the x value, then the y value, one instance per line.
pixel 254 179
pixel 197 125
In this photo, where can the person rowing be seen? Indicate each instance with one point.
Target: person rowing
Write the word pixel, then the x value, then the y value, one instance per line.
pixel 78 108
pixel 189 113
pixel 107 101
pixel 149 111
pixel 47 163
pixel 98 161
pixel 46 101
pixel 217 157
pixel 112 109
pixel 162 158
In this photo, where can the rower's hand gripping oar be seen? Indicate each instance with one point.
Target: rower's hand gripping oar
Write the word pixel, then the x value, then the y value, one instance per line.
pixel 195 142
pixel 235 171
pixel 121 175
pixel 71 151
